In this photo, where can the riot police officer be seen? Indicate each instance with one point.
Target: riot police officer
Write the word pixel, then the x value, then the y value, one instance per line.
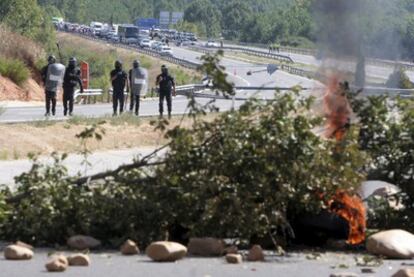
pixel 138 78
pixel 52 76
pixel 70 80
pixel 166 85
pixel 119 79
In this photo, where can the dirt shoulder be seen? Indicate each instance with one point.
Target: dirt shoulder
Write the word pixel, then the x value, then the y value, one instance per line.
pixel 17 141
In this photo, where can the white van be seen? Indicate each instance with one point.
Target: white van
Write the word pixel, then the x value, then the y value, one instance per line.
pixel 96 27
pixel 166 50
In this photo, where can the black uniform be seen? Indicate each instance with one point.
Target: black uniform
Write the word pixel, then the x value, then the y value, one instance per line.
pixel 70 80
pixel 166 83
pixel 118 85
pixel 50 96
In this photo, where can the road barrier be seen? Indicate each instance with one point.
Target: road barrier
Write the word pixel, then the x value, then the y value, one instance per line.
pixel 281 58
pixel 89 96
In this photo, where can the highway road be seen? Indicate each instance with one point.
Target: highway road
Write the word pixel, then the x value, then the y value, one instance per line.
pixel 373 71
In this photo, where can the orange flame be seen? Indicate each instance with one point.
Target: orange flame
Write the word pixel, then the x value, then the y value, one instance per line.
pixel 337 109
pixel 351 208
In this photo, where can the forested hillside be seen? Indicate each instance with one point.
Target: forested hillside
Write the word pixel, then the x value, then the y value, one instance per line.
pixel 383 28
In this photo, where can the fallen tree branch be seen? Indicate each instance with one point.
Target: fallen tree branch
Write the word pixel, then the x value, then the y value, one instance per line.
pixel 144 162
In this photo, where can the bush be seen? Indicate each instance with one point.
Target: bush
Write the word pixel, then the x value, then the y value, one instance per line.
pixel 387 136
pixel 297 41
pixel 15 70
pixel 249 172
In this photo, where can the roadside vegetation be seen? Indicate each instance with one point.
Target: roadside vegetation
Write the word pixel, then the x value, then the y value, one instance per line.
pixel 19 56
pixel 15 70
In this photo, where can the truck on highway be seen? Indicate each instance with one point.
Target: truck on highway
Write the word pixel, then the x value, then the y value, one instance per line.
pixel 96 27
pixel 128 34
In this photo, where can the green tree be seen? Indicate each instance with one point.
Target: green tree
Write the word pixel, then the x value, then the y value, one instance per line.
pixel 184 26
pixel 30 22
pixel 207 14
pixel 235 13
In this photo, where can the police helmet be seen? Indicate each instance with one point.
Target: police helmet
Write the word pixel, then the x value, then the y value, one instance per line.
pixel 164 69
pixel 51 59
pixel 118 64
pixel 73 61
pixel 135 64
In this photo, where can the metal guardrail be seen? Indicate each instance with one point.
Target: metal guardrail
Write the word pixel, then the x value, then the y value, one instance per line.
pixel 294 50
pixel 88 96
pixel 282 58
pixel 403 93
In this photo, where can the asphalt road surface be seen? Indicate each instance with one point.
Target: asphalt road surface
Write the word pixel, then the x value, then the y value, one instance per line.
pixel 373 71
pixel 112 264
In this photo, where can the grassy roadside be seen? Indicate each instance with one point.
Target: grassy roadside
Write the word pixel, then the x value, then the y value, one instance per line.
pixel 45 137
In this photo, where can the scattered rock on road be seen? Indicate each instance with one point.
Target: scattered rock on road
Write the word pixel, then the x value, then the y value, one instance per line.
pixel 79 260
pixel 234 258
pixel 206 247
pixel 166 251
pixel 16 252
pixel 405 272
pixel 255 254
pixel 398 244
pixel 23 244
pixel 80 242
pixel 129 248
pixel 57 263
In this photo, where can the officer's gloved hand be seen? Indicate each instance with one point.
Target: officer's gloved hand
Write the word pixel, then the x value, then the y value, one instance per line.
pixel 81 91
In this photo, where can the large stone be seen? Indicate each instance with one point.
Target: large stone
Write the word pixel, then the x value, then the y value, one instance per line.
pixel 57 263
pixel 405 272
pixel 16 252
pixel 166 251
pixel 206 247
pixel 129 248
pixel 397 244
pixel 234 258
pixel 83 242
pixel 255 254
pixel 22 244
pixel 79 260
